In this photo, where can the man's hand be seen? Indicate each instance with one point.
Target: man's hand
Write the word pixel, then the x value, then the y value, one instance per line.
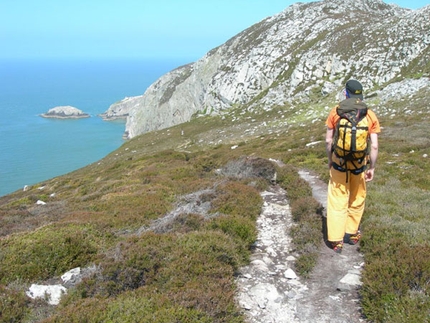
pixel 369 174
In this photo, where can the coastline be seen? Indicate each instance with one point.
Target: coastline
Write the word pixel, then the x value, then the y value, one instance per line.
pixel 36 146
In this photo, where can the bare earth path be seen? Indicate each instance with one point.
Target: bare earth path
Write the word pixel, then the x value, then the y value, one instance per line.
pixel 269 290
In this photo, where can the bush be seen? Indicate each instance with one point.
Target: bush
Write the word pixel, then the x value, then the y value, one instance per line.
pixel 305 263
pixel 48 252
pixel 295 186
pixel 131 264
pixel 399 290
pixel 305 209
pixel 243 230
pixel 235 198
pixel 193 271
pixel 142 305
pixel 13 305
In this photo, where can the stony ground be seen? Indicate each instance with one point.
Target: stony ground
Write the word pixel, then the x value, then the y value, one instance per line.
pixel 270 291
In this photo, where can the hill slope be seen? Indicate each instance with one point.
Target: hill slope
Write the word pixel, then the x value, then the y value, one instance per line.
pixel 162 226
pixel 307 49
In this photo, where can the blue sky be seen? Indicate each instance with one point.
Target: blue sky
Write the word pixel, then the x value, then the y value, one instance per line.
pixel 130 28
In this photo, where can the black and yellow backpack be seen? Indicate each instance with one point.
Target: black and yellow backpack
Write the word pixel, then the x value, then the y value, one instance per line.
pixel 351 137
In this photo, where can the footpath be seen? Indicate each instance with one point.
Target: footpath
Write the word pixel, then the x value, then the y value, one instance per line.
pixel 269 289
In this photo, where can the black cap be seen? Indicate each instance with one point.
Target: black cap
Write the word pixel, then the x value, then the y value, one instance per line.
pixel 354 89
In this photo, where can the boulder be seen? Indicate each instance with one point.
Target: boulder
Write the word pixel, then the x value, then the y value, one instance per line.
pixel 52 293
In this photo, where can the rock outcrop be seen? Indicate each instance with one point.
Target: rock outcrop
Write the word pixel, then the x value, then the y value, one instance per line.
pixel 120 109
pixel 307 51
pixel 65 112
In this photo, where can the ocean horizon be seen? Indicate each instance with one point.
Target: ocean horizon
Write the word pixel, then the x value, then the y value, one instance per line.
pixel 34 149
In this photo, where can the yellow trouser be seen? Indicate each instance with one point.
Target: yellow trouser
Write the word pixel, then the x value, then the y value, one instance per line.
pixel 345 204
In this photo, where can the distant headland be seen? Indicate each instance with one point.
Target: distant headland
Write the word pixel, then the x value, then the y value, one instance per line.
pixel 65 112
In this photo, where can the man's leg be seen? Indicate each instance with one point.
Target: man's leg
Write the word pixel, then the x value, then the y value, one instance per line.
pixel 337 205
pixel 356 204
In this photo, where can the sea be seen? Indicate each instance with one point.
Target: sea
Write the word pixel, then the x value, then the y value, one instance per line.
pixel 34 149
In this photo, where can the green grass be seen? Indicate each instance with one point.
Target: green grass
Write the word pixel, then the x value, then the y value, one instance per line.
pixel 184 268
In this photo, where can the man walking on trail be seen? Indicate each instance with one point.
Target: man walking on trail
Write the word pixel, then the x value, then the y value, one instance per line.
pixel 347 186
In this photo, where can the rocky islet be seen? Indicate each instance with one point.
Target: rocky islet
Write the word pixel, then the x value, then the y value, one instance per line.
pixel 65 112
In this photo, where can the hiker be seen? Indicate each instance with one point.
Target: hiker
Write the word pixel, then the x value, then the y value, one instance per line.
pixel 347 186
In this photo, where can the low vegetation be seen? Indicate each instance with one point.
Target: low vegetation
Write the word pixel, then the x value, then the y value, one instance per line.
pixel 167 219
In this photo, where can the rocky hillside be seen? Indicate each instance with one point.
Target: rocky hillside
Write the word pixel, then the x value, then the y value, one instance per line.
pixel 291 57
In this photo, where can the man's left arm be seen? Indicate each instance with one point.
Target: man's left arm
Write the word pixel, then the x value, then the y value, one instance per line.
pixel 373 156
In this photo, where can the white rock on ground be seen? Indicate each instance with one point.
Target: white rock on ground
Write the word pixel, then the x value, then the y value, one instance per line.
pixel 52 293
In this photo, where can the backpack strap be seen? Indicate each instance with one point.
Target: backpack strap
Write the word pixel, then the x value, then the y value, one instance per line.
pixel 356 171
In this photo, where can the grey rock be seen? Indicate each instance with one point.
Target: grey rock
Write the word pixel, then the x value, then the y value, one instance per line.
pixel 349 281
pixel 290 274
pixel 72 276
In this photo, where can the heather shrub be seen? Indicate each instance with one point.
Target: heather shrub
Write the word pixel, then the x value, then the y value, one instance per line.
pixel 235 198
pixel 184 223
pixel 200 273
pixel 47 252
pixel 205 164
pixel 306 213
pixel 203 255
pixel 239 228
pixel 395 227
pixel 142 305
pixel 295 186
pixel 193 270
pixel 305 209
pixel 130 264
pixel 13 305
pixel 305 263
pixel 306 234
pixel 134 209
pixel 397 291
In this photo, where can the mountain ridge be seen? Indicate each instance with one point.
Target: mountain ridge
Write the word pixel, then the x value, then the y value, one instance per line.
pixel 306 50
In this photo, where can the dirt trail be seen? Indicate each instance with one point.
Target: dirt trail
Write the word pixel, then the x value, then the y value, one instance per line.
pixel 269 290
pixel 329 299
